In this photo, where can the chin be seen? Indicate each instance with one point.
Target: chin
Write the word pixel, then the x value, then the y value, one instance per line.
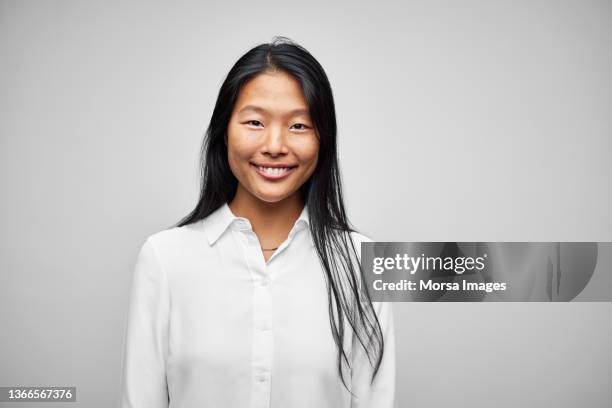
pixel 271 197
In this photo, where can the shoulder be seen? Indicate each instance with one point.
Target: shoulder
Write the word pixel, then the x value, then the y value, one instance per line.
pixel 357 239
pixel 176 239
pixel 382 308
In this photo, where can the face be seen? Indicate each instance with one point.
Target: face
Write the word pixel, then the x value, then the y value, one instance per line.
pixel 272 147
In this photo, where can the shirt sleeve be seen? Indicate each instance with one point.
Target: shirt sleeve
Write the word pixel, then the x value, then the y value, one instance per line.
pixel 143 383
pixel 380 393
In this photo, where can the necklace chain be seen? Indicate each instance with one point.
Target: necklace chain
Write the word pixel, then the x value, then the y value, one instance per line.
pixel 270 249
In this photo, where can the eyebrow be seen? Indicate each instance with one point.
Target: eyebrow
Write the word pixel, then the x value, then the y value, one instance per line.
pixel 298 111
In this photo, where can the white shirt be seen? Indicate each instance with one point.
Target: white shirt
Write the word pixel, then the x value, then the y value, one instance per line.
pixel 211 324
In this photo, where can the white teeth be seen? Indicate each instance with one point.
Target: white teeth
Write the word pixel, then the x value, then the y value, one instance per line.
pixel 274 171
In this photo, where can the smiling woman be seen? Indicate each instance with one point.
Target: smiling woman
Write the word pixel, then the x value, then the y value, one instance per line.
pixel 270 139
pixel 256 298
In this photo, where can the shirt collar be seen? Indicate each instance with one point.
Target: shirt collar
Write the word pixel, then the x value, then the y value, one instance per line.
pixel 223 218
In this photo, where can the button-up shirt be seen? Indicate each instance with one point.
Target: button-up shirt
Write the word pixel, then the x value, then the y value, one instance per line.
pixel 211 324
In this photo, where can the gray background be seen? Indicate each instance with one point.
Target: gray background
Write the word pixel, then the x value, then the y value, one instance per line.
pixel 458 121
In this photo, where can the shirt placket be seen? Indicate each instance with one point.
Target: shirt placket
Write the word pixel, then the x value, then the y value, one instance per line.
pixel 263 336
pixel 263 340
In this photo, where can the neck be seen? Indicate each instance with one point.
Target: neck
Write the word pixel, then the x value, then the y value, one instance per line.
pixel 267 218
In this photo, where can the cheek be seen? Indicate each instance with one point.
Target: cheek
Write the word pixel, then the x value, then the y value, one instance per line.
pixel 239 150
pixel 307 152
pixel 238 161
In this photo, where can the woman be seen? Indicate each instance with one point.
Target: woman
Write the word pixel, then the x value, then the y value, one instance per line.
pixel 255 298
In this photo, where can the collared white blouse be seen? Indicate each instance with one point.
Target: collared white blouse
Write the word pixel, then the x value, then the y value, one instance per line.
pixel 211 324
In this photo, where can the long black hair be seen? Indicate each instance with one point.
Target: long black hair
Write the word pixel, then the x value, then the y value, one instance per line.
pixel 329 226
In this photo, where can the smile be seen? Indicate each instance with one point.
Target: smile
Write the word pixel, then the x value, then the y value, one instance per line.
pixel 273 173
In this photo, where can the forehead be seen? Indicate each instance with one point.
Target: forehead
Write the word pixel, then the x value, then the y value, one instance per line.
pixel 276 91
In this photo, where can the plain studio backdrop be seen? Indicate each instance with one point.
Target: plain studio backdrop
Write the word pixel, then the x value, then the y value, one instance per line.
pixel 458 121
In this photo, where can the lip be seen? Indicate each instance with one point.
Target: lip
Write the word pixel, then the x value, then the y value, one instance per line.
pixel 274 164
pixel 272 176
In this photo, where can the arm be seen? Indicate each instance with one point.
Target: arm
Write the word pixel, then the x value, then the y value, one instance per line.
pixel 381 393
pixel 143 383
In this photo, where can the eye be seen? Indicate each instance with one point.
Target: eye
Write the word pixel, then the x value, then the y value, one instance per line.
pixel 303 126
pixel 253 122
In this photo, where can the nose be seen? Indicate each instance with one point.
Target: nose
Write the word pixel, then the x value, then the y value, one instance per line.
pixel 275 141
